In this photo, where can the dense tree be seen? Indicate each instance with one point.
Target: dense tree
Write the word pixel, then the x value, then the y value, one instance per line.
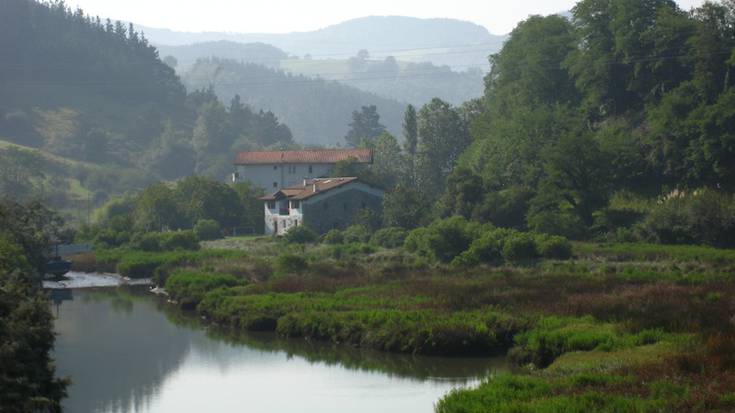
pixel 27 380
pixel 390 164
pixel 156 209
pixel 443 137
pixel 405 207
pixel 173 156
pixel 316 111
pixel 576 173
pixel 201 198
pixel 20 174
pixel 411 139
pixel 251 206
pixel 365 125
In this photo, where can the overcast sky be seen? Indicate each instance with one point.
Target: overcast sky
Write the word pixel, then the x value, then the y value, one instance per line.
pixel 282 16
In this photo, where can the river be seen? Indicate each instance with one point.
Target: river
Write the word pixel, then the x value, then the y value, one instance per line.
pixel 127 351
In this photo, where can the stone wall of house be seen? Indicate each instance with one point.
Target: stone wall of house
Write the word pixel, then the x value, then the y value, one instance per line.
pixel 338 211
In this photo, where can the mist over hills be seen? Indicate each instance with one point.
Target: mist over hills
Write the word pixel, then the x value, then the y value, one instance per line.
pixel 317 111
pixel 458 44
pixel 258 53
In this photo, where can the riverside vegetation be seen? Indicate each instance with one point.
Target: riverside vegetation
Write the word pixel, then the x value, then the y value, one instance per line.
pixel 592 327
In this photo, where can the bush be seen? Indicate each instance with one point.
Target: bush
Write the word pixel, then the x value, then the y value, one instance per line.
pixel 609 220
pixel 207 230
pixel 562 223
pixel 179 240
pixel 289 264
pixel 356 233
pixel 520 247
pixel 486 249
pixel 190 288
pixel 506 208
pixel 444 239
pixel 139 266
pixel 301 235
pixel 554 247
pixel 334 236
pixel 704 216
pixel 165 241
pixel 148 241
pixel 389 237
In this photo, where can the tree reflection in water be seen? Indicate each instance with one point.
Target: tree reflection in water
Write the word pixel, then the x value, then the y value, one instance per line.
pixel 124 348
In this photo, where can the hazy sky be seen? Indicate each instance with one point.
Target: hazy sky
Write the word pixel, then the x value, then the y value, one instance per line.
pixel 281 16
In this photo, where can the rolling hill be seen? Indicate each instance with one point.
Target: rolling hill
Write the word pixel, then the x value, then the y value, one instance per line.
pixel 458 44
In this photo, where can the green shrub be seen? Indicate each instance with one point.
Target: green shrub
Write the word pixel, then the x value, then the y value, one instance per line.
pixel 164 241
pixel 110 238
pixel 704 216
pixel 609 220
pixel 554 247
pixel 486 249
pixel 207 230
pixel 334 236
pixel 350 250
pixel 190 288
pixel 179 240
pixel 355 233
pixel 393 237
pixel 520 247
pixel 562 223
pixel 301 235
pixel 136 266
pixel 289 264
pixel 444 239
pixel 148 241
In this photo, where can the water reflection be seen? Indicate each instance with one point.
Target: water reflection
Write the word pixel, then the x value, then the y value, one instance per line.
pixel 130 353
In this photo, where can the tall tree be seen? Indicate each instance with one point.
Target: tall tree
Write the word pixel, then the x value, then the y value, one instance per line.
pixel 443 137
pixel 410 131
pixel 365 125
pixel 389 166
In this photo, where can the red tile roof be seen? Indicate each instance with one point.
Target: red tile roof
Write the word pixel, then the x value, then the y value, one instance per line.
pixel 313 156
pixel 301 192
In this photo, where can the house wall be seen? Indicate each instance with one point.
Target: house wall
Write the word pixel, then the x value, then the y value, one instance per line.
pixel 336 208
pixel 277 224
pixel 273 177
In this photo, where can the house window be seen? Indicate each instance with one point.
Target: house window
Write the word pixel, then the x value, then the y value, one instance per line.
pixel 275 167
pixel 271 204
pixel 296 222
pixel 294 204
pixel 275 184
pixel 344 206
pixel 311 170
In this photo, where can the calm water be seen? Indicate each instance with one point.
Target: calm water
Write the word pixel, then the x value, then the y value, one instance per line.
pixel 127 352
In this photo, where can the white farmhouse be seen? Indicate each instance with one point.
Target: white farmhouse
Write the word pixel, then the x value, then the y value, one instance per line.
pixel 320 204
pixel 274 170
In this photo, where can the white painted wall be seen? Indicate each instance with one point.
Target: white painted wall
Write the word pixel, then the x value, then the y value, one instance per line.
pixel 277 224
pixel 276 176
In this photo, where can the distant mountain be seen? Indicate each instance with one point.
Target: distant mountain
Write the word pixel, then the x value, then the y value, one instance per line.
pixel 259 53
pixel 455 43
pixel 317 111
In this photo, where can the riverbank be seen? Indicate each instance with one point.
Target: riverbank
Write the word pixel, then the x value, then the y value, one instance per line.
pixel 618 327
pixel 177 355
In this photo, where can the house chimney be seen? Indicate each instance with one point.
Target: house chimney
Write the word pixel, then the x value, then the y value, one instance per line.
pixel 306 182
pixel 315 188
